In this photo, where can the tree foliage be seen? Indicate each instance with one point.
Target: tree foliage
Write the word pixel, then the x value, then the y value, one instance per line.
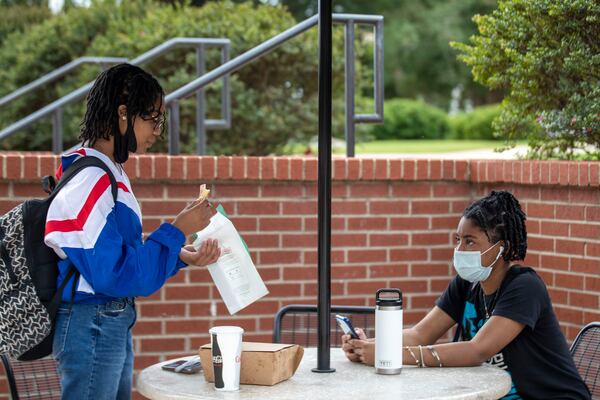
pixel 27 3
pixel 419 62
pixel 273 98
pixel 546 55
pixel 18 17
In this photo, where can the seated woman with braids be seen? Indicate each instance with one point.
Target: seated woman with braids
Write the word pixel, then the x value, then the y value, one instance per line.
pixel 503 310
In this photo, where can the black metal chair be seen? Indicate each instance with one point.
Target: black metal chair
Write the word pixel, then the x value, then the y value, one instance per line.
pixel 297 323
pixel 586 354
pixel 32 379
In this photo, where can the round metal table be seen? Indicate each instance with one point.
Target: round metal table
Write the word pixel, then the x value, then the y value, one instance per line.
pixel 351 381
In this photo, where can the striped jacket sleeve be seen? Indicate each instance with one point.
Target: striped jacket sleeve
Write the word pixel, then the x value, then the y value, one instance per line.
pixel 81 225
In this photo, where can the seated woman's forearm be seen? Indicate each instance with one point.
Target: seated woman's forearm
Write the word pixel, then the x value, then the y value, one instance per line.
pixel 410 337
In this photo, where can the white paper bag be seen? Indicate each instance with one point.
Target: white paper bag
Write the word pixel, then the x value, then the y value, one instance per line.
pixel 234 272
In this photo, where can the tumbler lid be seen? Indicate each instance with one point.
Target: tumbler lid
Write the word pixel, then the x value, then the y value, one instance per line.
pixel 389 301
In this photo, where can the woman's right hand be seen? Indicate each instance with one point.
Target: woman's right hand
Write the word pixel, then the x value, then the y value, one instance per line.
pixel 207 254
pixel 195 217
pixel 348 345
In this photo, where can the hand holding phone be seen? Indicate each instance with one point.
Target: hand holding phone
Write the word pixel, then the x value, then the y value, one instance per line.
pixel 346 326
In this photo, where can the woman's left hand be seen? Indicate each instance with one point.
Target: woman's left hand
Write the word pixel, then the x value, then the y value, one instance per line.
pixel 363 348
pixel 207 254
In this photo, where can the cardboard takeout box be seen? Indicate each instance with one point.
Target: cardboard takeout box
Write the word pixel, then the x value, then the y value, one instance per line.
pixel 261 363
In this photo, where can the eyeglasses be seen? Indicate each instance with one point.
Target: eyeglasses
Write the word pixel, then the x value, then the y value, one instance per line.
pixel 159 121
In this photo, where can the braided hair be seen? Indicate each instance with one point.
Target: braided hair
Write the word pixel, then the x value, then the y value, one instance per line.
pixel 122 84
pixel 500 216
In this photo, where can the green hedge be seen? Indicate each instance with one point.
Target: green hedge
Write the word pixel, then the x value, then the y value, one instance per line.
pixel 17 18
pixel 476 124
pixel 274 99
pixel 411 119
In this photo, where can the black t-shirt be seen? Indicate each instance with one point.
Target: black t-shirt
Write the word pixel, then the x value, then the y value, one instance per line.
pixel 538 359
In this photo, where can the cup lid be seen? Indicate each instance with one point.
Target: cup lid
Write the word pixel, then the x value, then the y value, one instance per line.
pixel 225 329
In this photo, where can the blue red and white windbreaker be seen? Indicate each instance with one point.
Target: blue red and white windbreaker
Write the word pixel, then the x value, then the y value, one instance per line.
pixel 103 240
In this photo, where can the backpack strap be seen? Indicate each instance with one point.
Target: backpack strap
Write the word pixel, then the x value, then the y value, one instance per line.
pixel 80 164
pixel 52 307
pixel 48 184
pixel 77 166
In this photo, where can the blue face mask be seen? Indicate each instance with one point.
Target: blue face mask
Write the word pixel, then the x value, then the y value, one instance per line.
pixel 468 264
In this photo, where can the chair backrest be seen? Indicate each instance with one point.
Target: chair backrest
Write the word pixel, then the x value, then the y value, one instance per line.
pixel 297 323
pixel 32 379
pixel 586 354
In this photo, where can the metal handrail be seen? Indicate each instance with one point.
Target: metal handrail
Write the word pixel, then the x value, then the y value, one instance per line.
pixel 172 99
pixel 57 73
pixel 55 108
pixel 224 70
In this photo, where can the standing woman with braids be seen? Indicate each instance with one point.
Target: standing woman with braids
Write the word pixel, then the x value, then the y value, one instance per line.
pixel 503 310
pixel 102 239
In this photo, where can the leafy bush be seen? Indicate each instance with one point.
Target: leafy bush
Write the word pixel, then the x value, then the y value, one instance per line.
pixel 545 54
pixel 274 98
pixel 17 18
pixel 26 56
pixel 475 125
pixel 411 119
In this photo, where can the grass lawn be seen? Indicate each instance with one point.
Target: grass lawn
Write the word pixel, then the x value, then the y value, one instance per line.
pixel 409 146
pixel 423 146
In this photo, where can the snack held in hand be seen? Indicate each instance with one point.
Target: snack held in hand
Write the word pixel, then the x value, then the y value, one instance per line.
pixel 204 193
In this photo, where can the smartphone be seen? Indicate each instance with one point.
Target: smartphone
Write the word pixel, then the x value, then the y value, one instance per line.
pixel 191 368
pixel 346 326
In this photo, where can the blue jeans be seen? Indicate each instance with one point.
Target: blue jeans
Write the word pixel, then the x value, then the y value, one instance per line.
pixel 94 350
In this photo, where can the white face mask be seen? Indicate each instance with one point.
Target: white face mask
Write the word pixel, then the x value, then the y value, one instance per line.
pixel 468 264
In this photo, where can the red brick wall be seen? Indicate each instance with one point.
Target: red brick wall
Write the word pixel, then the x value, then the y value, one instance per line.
pixel 392 226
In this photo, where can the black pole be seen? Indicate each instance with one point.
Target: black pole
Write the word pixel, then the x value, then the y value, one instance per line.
pixel 324 302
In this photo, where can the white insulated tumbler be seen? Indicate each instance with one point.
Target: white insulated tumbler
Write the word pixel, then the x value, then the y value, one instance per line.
pixel 388 332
